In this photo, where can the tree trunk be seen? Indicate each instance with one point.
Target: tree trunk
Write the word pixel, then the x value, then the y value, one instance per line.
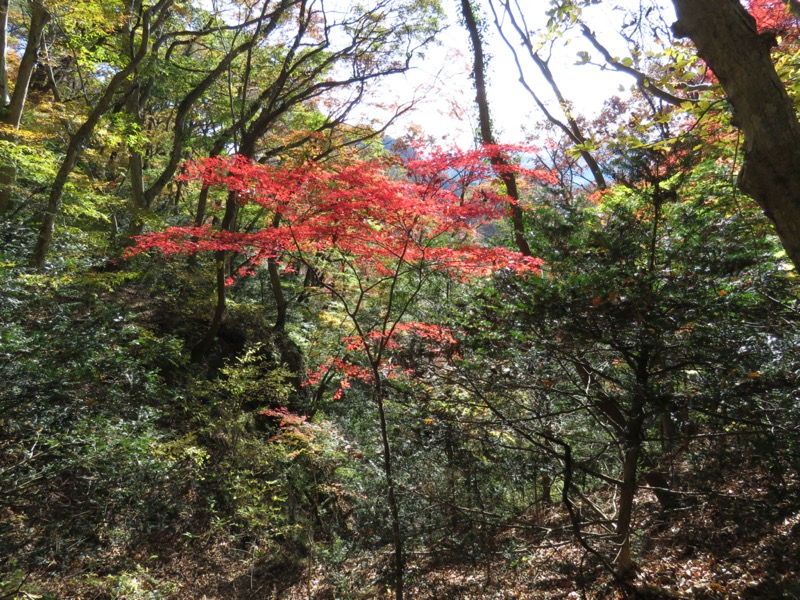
pixel 277 291
pixel 394 511
pixel 627 492
pixel 202 347
pixel 136 96
pixel 487 137
pixel 15 105
pixel 221 265
pixel 39 19
pixel 5 98
pixel 8 176
pixel 80 137
pixel 726 38
pixel 7 171
pixel 138 203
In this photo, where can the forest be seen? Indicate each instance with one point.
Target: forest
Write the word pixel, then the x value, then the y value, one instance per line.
pixel 263 335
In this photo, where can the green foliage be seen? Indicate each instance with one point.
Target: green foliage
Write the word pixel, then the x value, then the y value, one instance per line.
pixel 665 301
pixel 641 332
pixel 107 447
pixel 80 418
pixel 135 584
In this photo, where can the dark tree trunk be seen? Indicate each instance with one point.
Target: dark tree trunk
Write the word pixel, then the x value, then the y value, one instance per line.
pixel 5 97
pixel 726 38
pixel 7 171
pixel 627 493
pixel 39 19
pixel 79 138
pixel 222 262
pixel 138 203
pixel 204 345
pixel 487 137
pixel 15 105
pixel 277 291
pixel 394 511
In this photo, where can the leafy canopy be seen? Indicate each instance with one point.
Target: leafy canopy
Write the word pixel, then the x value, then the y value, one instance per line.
pixel 361 210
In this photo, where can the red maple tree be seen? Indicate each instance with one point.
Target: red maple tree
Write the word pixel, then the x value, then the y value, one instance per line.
pixel 775 17
pixel 361 210
pixel 367 229
pixel 376 222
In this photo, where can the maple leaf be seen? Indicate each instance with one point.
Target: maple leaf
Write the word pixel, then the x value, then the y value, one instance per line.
pixel 363 211
pixel 377 220
pixel 776 18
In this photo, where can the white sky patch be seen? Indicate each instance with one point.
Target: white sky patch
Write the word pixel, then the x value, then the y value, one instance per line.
pixel 439 83
pixel 448 113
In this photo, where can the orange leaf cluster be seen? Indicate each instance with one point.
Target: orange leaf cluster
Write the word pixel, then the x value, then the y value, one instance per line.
pixel 774 16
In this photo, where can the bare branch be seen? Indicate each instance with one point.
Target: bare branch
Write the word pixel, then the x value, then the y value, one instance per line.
pixel 643 82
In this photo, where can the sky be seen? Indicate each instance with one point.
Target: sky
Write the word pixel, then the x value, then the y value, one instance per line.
pixel 444 92
pixel 447 111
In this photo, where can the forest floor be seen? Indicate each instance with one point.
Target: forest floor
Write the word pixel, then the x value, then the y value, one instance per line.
pixel 735 536
pixel 738 539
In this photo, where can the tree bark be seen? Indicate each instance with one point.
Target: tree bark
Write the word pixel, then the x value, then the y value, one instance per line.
pixel 394 511
pixel 280 298
pixel 15 105
pixel 133 106
pixel 79 138
pixel 222 262
pixel 138 203
pixel 485 119
pixel 627 493
pixel 39 19
pixel 726 38
pixel 5 98
pixel 7 171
